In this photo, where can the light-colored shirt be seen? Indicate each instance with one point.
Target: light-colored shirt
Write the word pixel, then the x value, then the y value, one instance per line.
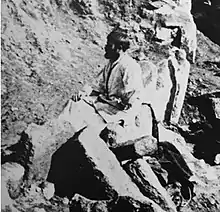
pixel 122 80
pixel 119 81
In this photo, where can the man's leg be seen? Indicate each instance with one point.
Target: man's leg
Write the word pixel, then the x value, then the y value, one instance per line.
pixel 81 114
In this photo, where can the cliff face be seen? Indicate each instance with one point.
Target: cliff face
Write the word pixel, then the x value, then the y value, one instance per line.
pixel 50 49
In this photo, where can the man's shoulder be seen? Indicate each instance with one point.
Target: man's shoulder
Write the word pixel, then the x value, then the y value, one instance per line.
pixel 128 59
pixel 128 62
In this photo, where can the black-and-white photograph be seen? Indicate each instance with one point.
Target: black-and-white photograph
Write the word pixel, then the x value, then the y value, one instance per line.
pixel 110 105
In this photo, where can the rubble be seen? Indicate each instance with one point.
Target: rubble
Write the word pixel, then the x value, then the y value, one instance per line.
pixel 137 148
pixel 96 166
pixel 48 190
pixel 143 176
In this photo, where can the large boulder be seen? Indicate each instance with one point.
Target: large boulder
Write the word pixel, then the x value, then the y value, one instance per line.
pixel 180 68
pixel 162 94
pixel 149 76
pixel 172 23
pixel 11 178
pixel 92 170
pixel 121 203
pixel 171 86
pixel 6 201
pixel 80 203
pixel 36 146
pixel 144 146
pixel 198 167
pixel 142 174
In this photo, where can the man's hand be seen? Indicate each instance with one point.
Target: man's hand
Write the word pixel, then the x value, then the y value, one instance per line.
pixel 77 96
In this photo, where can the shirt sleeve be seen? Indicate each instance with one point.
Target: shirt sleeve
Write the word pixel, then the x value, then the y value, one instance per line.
pixel 99 82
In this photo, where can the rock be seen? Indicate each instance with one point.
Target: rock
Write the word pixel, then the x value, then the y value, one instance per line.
pixel 165 35
pixel 80 203
pixel 198 167
pixel 130 204
pixel 208 105
pixel 48 190
pixel 181 71
pixel 6 201
pixel 183 21
pixel 84 7
pixel 163 88
pixel 216 106
pixel 39 210
pixel 121 203
pixel 204 131
pixel 36 145
pixel 88 160
pixel 217 159
pixel 171 86
pixel 12 174
pixel 186 5
pixel 161 173
pixel 135 128
pixel 143 176
pixel 65 201
pixel 173 24
pixel 137 148
pixel 12 171
pixel 149 74
pixel 177 140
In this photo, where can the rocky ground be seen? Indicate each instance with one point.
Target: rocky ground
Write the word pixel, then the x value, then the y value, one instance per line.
pixel 49 50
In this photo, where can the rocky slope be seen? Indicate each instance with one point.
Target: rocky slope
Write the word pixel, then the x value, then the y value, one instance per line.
pixel 49 50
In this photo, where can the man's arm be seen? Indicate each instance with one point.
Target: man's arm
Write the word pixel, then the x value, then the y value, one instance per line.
pixel 96 89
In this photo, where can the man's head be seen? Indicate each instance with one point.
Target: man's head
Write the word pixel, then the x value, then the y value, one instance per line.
pixel 117 42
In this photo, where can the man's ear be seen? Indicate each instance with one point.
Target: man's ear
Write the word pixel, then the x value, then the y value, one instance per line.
pixel 118 48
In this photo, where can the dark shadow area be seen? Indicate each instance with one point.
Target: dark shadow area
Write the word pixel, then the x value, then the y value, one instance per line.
pixel 206 17
pixel 72 172
pixel 20 152
pixel 205 134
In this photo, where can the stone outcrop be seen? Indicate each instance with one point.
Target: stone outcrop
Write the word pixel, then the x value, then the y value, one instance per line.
pixel 144 146
pixel 11 180
pixel 172 24
pixel 166 84
pixel 36 146
pixel 143 176
pixel 149 74
pixel 122 203
pixel 171 86
pixel 93 163
pixel 80 203
pixel 6 201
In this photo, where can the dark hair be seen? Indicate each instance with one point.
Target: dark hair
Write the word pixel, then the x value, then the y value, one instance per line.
pixel 120 38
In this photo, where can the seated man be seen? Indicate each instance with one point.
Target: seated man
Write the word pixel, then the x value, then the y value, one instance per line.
pixel 117 98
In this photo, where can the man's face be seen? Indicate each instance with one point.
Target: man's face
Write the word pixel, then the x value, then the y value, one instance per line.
pixel 111 51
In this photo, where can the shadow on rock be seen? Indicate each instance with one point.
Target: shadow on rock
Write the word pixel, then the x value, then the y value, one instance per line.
pixel 71 173
pixel 205 133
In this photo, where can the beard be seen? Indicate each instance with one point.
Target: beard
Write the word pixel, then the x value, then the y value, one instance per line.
pixel 111 54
